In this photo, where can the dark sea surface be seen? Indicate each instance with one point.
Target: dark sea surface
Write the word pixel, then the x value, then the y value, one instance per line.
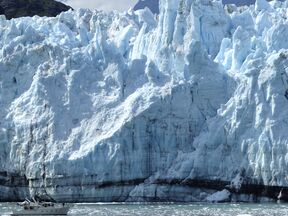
pixel 169 209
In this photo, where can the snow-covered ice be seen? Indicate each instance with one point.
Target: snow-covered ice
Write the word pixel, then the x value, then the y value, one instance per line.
pixel 116 106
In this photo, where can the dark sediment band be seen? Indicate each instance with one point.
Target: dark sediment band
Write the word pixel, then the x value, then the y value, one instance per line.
pixel 12 180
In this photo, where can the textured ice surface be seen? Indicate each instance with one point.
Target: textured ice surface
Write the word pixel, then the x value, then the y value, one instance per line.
pixel 220 196
pixel 106 105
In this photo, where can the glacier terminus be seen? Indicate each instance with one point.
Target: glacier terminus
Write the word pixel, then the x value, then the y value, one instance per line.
pixel 188 105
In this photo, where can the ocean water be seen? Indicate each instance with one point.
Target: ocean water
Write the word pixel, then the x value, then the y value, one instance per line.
pixel 169 209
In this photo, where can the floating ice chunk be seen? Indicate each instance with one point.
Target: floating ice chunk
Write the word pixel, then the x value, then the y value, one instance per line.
pixel 220 196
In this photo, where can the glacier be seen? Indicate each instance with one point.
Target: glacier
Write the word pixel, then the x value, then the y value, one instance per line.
pixel 190 105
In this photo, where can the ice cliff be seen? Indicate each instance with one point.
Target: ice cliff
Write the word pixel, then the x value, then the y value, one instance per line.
pixel 153 5
pixel 128 106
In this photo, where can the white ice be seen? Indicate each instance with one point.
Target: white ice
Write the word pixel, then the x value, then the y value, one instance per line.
pixel 195 93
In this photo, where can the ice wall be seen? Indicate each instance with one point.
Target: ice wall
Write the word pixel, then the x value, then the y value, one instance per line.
pixel 115 107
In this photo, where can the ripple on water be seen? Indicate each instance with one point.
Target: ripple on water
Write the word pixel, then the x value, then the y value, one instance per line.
pixel 169 209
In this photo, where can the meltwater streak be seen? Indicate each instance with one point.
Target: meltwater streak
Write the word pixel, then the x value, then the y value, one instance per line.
pixel 104 209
